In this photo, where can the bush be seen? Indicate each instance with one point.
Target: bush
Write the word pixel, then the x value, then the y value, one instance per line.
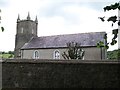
pixel 118 54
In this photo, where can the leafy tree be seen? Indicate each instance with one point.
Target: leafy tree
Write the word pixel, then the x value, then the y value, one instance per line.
pixel 112 54
pixel 114 19
pixel 74 51
pixel 118 55
pixel 11 56
pixel 2 28
pixel 10 52
pixel 3 52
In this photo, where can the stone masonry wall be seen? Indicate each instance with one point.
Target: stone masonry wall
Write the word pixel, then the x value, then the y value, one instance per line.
pixel 60 74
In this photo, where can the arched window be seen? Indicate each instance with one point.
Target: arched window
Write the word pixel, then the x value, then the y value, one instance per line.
pixel 32 31
pixel 36 54
pixel 22 30
pixel 56 54
pixel 83 58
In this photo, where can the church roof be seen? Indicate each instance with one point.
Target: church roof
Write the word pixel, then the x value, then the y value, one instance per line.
pixel 57 41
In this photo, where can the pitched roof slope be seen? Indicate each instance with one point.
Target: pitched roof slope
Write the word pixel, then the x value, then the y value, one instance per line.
pixel 86 39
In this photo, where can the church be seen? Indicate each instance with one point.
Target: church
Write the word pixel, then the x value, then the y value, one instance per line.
pixel 29 46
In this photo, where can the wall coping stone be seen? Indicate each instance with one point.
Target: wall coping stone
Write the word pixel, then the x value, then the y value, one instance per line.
pixel 32 61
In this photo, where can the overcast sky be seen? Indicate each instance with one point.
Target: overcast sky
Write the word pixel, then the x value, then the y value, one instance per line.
pixel 54 17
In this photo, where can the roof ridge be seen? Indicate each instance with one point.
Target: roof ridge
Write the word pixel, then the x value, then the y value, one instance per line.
pixel 71 34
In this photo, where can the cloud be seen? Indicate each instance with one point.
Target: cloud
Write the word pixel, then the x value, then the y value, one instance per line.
pixel 51 26
pixel 77 19
pixel 4 3
pixel 70 21
pixel 54 16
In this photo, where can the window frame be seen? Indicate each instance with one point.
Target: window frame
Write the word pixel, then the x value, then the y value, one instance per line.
pixel 22 30
pixel 36 54
pixel 56 56
pixel 32 31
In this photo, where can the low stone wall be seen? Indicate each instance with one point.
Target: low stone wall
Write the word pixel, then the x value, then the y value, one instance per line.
pixel 60 74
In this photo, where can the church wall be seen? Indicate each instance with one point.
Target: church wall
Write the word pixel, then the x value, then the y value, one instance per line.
pixel 92 53
pixel 43 53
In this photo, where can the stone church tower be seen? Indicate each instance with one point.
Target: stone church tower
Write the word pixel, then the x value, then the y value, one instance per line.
pixel 25 30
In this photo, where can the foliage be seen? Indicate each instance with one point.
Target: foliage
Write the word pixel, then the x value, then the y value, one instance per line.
pixel 114 55
pixel 112 19
pixel 74 51
pixel 2 28
pixel 6 56
pixel 9 54
pixel 118 54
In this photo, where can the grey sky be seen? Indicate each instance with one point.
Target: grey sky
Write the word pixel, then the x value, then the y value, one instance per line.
pixel 54 16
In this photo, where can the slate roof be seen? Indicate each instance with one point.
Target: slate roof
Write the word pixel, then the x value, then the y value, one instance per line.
pixel 86 39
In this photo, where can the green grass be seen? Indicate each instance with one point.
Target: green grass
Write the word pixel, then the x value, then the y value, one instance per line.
pixel 5 56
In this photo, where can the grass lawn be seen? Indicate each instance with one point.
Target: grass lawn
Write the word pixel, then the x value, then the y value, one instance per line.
pixel 6 56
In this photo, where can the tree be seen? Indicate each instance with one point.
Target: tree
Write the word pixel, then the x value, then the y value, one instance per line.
pixel 74 51
pixel 2 28
pixel 10 52
pixel 118 55
pixel 11 56
pixel 114 19
pixel 114 55
pixel 3 52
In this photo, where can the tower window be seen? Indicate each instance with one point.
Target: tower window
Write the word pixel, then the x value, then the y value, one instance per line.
pixel 32 31
pixel 36 55
pixel 56 54
pixel 21 30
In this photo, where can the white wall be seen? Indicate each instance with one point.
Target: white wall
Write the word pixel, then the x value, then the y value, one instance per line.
pixel 90 53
